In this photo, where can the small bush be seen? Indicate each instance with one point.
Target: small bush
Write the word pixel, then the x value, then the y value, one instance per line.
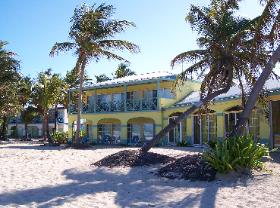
pixel 212 144
pixel 183 144
pixel 60 137
pixel 236 153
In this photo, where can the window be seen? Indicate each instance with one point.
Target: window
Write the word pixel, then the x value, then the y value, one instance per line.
pixel 117 102
pixel 232 118
pixel 205 128
pixel 137 133
pixel 167 93
pixel 103 102
pixel 108 133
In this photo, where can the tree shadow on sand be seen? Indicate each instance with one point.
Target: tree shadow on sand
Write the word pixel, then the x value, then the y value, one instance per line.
pixel 139 187
pixel 275 156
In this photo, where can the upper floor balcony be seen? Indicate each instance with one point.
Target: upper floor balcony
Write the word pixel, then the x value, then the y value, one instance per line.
pixel 145 104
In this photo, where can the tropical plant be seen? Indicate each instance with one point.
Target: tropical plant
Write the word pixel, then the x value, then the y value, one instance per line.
pixel 27 116
pixel 60 137
pixel 224 55
pixel 267 35
pixel 236 153
pixel 92 33
pixel 123 70
pixel 48 91
pixel 102 78
pixel 9 85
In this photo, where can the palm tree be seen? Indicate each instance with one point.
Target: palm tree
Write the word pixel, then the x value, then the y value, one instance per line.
pixel 28 115
pixel 9 85
pixel 102 78
pixel 224 54
pixel 92 33
pixel 267 35
pixel 123 70
pixel 47 92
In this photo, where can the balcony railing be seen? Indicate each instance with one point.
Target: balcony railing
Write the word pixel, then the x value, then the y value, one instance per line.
pixel 118 106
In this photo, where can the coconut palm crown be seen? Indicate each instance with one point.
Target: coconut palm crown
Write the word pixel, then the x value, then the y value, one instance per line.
pixel 92 34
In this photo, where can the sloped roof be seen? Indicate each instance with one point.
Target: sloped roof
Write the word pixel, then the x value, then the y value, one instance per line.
pixel 152 76
pixel 271 85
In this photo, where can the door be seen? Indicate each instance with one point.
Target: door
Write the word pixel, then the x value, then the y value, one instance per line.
pixel 174 135
pixel 197 130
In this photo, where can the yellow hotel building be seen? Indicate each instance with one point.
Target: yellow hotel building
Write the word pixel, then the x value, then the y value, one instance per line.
pixel 130 110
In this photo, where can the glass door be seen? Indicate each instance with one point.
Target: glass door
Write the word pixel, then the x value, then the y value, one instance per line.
pixel 175 134
pixel 196 130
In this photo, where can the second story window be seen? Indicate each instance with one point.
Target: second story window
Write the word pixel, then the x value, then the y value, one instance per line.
pixel 117 102
pixel 103 103
pixel 167 93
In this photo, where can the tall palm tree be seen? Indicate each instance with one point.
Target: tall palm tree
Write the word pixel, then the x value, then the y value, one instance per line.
pixel 267 35
pixel 224 54
pixel 123 70
pixel 48 91
pixel 9 85
pixel 92 34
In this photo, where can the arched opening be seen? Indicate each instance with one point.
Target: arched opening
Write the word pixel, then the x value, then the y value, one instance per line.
pixel 33 131
pixel 232 116
pixel 204 126
pixel 109 131
pixel 177 134
pixel 85 128
pixel 140 130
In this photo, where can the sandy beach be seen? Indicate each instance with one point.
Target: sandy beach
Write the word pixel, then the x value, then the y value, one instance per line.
pixel 38 176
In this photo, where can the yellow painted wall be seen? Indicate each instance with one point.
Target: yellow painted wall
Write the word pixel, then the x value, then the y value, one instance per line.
pixel 161 117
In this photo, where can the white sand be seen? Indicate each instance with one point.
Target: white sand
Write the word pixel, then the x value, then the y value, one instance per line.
pixel 35 176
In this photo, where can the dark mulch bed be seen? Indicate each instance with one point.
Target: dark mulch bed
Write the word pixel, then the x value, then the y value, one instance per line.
pixel 132 158
pixel 190 167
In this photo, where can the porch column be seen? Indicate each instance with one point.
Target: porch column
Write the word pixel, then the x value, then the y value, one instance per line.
pixel 70 126
pixel 124 134
pixel 94 133
pixel 271 140
pixel 189 128
pixel 124 99
pixel 94 100
pixel 69 101
pixel 158 89
pixel 220 125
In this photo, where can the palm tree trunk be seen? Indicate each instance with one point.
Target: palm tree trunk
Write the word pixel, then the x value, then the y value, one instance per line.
pixel 252 99
pixel 48 129
pixel 26 131
pixel 55 118
pixel 45 125
pixel 80 104
pixel 147 146
pixel 4 128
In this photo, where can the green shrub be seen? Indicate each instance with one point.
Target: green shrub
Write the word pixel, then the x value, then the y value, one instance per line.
pixel 60 137
pixel 212 144
pixel 236 153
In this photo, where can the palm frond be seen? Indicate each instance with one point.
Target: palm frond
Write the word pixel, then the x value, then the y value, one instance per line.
pixel 267 18
pixel 199 20
pixel 61 47
pixel 189 56
pixel 120 45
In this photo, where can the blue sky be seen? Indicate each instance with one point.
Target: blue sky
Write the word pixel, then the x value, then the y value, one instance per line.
pixel 32 27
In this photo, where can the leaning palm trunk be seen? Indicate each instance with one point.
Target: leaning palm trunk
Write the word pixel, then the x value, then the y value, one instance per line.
pixel 252 99
pixel 26 131
pixel 147 146
pixel 45 126
pixel 80 104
